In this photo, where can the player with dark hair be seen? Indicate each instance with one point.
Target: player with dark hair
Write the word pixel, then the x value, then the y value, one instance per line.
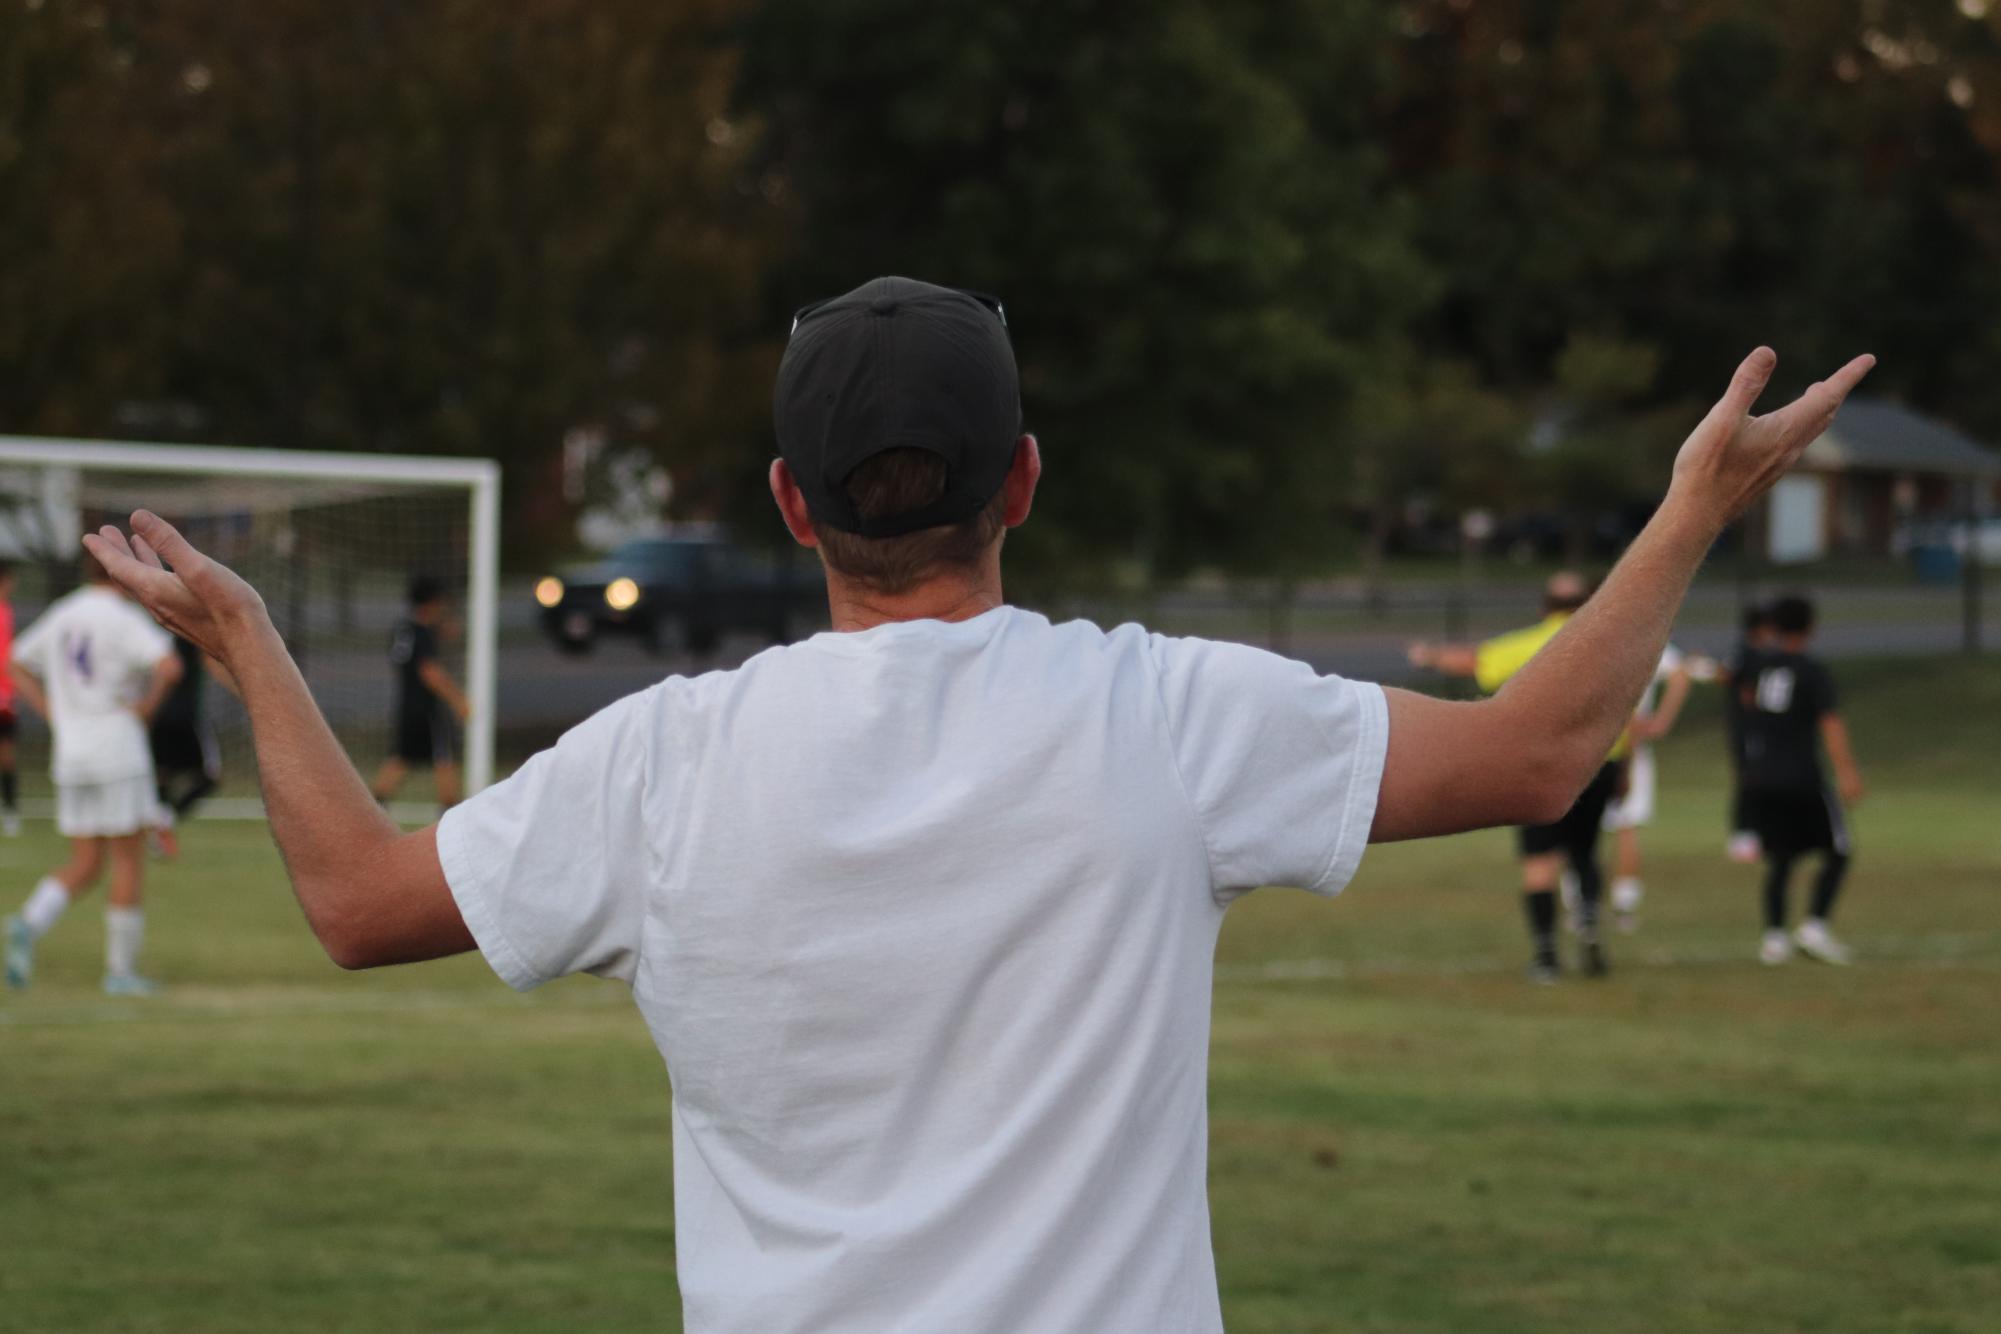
pixel 429 704
pixel 1788 704
pixel 1571 842
pixel 187 761
pixel 10 782
pixel 1739 667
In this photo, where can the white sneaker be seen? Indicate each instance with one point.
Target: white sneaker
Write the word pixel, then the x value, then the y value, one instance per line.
pixel 1744 848
pixel 1817 942
pixel 129 984
pixel 1775 949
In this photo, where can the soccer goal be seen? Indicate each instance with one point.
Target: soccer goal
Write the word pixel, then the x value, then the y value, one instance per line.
pixel 331 541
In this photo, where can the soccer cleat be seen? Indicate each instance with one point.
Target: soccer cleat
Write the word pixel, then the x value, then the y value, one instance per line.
pixel 1817 942
pixel 1776 948
pixel 20 953
pixel 129 984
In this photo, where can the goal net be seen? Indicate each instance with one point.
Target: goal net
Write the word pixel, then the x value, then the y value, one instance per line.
pixel 331 541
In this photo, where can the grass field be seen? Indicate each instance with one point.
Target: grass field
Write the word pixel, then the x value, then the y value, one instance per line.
pixel 1405 1136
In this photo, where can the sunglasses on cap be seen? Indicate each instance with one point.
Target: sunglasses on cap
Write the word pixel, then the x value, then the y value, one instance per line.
pixel 992 303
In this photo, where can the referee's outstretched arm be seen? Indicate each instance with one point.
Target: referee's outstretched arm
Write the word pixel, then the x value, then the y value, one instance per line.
pixel 1524 755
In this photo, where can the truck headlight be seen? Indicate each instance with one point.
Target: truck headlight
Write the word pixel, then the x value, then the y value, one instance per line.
pixel 620 594
pixel 549 590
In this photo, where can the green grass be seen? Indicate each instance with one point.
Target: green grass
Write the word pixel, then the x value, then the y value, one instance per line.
pixel 1404 1135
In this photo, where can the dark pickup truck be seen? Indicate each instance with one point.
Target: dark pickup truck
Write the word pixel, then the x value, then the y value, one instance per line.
pixel 684 592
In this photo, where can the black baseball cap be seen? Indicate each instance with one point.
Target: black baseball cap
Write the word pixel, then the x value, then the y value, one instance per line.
pixel 897 363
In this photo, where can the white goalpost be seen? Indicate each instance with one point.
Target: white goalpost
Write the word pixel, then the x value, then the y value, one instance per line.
pixel 331 541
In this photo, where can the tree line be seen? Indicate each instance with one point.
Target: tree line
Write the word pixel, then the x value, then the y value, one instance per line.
pixel 1274 272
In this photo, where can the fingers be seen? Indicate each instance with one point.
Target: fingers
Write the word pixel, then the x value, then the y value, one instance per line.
pixel 1842 381
pixel 1753 374
pixel 165 539
pixel 145 553
pixel 148 583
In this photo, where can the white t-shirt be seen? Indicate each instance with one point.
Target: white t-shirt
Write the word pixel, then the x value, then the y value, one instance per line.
pixel 922 919
pixel 93 651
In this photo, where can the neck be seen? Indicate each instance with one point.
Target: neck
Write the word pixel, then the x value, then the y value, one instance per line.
pixel 950 598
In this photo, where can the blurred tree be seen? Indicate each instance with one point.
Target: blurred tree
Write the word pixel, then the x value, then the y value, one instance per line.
pixel 1178 202
pixel 438 226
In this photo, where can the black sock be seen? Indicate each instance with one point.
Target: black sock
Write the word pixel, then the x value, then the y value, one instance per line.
pixel 9 788
pixel 1827 885
pixel 1540 904
pixel 1777 872
pixel 1590 889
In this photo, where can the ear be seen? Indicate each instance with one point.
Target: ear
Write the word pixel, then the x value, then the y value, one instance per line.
pixel 1022 475
pixel 792 504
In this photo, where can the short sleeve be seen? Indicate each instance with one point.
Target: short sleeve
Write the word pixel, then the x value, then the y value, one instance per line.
pixel 551 867
pixel 1282 765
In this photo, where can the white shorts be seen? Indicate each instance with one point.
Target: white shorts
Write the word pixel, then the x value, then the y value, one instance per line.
pixel 106 810
pixel 1636 808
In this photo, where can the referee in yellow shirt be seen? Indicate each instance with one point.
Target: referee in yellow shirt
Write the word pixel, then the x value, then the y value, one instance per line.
pixel 1574 838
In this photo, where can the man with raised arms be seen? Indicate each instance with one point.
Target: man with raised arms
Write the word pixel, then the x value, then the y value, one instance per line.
pixel 922 911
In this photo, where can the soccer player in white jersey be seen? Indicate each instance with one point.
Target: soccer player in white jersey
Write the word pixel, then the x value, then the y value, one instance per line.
pixel 97 668
pixel 922 911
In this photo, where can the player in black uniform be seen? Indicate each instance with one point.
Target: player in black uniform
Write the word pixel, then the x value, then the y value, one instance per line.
pixel 1737 668
pixel 187 763
pixel 429 704
pixel 1789 713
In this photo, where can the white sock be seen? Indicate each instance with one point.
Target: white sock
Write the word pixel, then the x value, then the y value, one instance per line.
pixel 44 906
pixel 1626 893
pixel 124 928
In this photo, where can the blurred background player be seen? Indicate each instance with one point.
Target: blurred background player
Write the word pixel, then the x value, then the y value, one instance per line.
pixel 1545 849
pixel 96 667
pixel 1740 667
pixel 1632 805
pixel 429 704
pixel 10 782
pixel 187 761
pixel 1788 715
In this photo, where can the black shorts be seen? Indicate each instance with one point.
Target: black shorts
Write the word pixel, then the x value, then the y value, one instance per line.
pixel 10 723
pixel 425 736
pixel 1577 832
pixel 1790 821
pixel 183 747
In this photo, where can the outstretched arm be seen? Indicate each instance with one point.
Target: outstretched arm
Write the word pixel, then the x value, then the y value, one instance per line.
pixel 372 894
pixel 1446 659
pixel 1662 720
pixel 1522 756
